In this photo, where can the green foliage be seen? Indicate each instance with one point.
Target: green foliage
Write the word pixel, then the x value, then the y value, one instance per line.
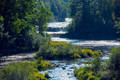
pixel 62 50
pixel 59 8
pixel 86 73
pixel 88 52
pixel 114 59
pixel 42 65
pixel 89 72
pixel 97 53
pixel 58 50
pixel 39 76
pixel 89 19
pixel 41 17
pixel 47 75
pixel 108 70
pixel 23 71
pixel 19 71
pixel 96 63
pixel 18 21
pixel 116 16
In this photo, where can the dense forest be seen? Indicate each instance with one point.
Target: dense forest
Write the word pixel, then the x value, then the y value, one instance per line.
pixel 60 9
pixel 19 22
pixel 94 19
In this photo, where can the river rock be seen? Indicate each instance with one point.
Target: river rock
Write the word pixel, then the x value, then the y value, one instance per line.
pixel 73 67
pixel 63 68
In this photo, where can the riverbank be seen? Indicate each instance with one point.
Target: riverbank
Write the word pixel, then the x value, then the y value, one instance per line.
pixel 5 60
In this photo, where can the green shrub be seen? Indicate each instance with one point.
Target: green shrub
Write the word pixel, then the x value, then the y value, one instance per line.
pixel 114 63
pixel 59 50
pixel 42 65
pixel 21 71
pixel 96 63
pixel 86 73
pixel 87 52
pixel 39 76
pixel 47 75
pixel 97 53
pixel 114 60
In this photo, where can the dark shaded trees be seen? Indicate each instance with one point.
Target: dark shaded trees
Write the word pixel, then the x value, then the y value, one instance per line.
pixel 18 21
pixel 60 9
pixel 91 18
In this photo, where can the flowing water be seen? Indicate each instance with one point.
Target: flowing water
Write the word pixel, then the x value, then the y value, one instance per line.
pixel 65 69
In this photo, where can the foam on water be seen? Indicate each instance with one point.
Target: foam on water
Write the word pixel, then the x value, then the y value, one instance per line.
pixel 64 69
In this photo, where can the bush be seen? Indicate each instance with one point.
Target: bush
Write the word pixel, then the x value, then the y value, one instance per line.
pixel 97 53
pixel 61 50
pixel 39 76
pixel 86 73
pixel 47 75
pixel 114 60
pixel 96 63
pixel 42 65
pixel 21 71
pixel 114 63
pixel 87 52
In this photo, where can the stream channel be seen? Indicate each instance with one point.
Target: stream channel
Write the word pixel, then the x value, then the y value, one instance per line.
pixel 65 68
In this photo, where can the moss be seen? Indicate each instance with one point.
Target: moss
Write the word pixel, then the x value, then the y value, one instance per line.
pixel 40 76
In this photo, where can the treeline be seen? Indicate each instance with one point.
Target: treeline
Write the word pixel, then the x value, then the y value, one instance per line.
pixel 60 9
pixel 22 25
pixel 94 19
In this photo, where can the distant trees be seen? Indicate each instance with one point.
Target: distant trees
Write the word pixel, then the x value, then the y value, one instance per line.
pixel 117 15
pixel 59 8
pixel 91 18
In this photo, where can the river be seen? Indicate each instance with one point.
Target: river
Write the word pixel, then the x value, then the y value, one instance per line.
pixel 65 69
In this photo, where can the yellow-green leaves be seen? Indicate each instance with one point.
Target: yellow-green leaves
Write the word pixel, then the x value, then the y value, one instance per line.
pixel 19 25
pixel 1 18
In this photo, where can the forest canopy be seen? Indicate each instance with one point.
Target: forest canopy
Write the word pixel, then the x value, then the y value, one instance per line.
pixel 19 22
pixel 94 19
pixel 59 8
